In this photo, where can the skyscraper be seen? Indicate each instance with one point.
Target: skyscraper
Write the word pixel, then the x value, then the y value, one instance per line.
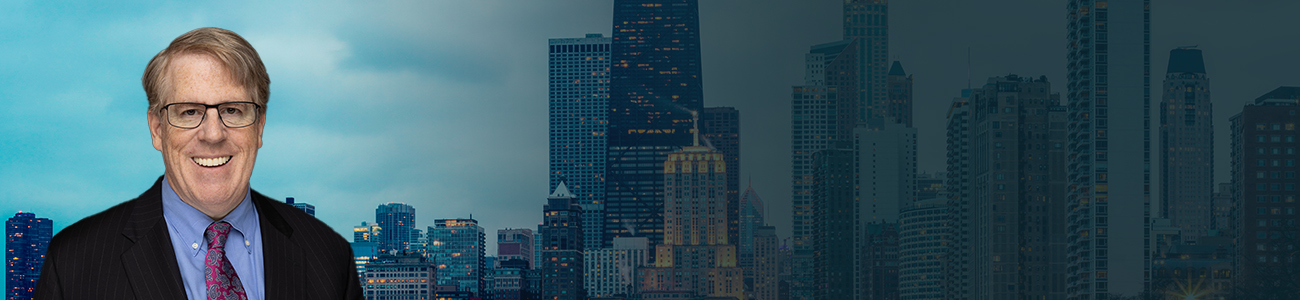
pixel 751 218
pixel 834 225
pixel 696 258
pixel 1009 172
pixel 956 262
pixel 458 247
pixel 516 243
pixel 26 240
pixel 923 235
pixel 824 114
pixel 396 221
pixel 579 120
pixel 654 85
pixel 1264 186
pixel 305 207
pixel 562 262
pixel 899 108
pixel 1186 145
pixel 866 22
pixel 1108 99
pixel 720 129
pixel 763 283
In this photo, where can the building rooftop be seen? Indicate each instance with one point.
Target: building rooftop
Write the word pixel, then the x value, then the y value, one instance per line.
pixel 896 69
pixel 1282 94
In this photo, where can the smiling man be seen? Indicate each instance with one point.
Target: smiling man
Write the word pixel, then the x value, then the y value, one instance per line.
pixel 200 232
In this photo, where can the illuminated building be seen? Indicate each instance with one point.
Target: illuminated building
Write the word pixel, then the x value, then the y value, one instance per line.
pixel 365 233
pixel 562 262
pixel 396 222
pixel 457 246
pixel 610 271
pixel 26 240
pixel 579 119
pixel 405 276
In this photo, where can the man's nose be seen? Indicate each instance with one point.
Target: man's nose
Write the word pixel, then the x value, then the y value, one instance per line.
pixel 212 129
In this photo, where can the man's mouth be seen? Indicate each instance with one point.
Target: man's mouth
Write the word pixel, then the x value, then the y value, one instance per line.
pixel 212 162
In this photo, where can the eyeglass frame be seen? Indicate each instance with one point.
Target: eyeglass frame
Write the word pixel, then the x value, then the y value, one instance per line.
pixel 257 109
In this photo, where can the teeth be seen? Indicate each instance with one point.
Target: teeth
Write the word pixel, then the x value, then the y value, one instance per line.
pixel 212 162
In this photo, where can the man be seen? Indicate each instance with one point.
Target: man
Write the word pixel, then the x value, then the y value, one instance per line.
pixel 200 232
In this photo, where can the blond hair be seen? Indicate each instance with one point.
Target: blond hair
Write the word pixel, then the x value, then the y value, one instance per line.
pixel 239 58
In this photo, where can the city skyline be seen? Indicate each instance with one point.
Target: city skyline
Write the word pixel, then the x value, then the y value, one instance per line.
pixel 55 163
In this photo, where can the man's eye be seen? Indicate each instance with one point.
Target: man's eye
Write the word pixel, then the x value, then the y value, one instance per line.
pixel 190 112
pixel 232 111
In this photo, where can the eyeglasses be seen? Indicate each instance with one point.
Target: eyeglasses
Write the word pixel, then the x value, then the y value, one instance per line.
pixel 190 115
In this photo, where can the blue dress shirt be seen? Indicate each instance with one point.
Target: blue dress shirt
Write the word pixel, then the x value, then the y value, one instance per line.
pixel 186 225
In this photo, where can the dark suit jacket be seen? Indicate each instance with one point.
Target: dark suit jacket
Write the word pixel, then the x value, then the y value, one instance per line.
pixel 125 252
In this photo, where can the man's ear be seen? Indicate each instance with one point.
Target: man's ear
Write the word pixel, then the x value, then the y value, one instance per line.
pixel 261 124
pixel 155 130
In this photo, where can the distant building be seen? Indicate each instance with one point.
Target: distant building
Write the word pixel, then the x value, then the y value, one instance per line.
pixel 516 243
pixel 610 271
pixel 1201 271
pixel 26 240
pixel 363 253
pixel 1006 155
pixel 562 262
pixel 1187 145
pixel 396 222
pixel 308 208
pixel 1264 187
pixel 763 281
pixel 930 186
pixel 458 248
pixel 366 233
pixel 751 218
pixel 508 282
pixel 400 277
pixel 922 243
pixel 696 256
pixel 899 84
pixel 579 121
pixel 720 129
pixel 1222 215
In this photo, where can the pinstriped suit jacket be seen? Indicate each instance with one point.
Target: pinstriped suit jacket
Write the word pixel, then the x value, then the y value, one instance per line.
pixel 125 252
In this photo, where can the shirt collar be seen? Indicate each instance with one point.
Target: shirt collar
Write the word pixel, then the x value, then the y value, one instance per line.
pixel 190 223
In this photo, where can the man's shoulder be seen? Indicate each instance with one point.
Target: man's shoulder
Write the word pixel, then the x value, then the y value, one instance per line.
pixel 301 226
pixel 109 221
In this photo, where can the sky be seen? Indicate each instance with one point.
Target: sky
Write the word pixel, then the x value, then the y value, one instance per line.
pixel 442 104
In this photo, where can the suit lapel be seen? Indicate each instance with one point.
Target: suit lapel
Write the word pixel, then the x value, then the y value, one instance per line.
pixel 150 263
pixel 282 257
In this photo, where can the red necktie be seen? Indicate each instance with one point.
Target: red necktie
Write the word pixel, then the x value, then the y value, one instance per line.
pixel 219 275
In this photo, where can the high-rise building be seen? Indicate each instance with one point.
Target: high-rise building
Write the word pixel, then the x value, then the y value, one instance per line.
pixel 539 244
pixel 1108 105
pixel 720 129
pixel 610 271
pixel 401 276
pixel 763 282
pixel 1007 175
pixel 305 207
pixel 922 243
pixel 579 119
pixel 885 170
pixel 751 218
pixel 824 114
pixel 562 262
pixel 1187 145
pixel 396 222
pixel 900 95
pixel 366 232
pixel 362 254
pixel 655 84
pixel 956 262
pixel 834 224
pixel 1221 221
pixel 866 22
pixel 458 247
pixel 516 243
pixel 696 258
pixel 26 240
pixel 1264 187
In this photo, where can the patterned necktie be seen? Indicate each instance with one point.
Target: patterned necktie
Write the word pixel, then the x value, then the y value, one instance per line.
pixel 219 275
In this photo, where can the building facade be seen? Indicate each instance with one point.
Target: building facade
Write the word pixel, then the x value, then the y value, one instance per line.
pixel 1187 145
pixel 922 243
pixel 516 243
pixel 1264 184
pixel 720 129
pixel 1010 182
pixel 366 232
pixel 956 262
pixel 655 84
pixel 405 276
pixel 1108 104
pixel 396 222
pixel 762 276
pixel 579 121
pixel 562 261
pixel 26 240
pixel 458 248
pixel 899 108
pixel 751 218
pixel 610 271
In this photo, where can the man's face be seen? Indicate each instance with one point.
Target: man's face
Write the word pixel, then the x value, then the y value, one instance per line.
pixel 208 166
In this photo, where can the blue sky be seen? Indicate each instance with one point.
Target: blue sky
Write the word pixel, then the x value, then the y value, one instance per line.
pixel 442 104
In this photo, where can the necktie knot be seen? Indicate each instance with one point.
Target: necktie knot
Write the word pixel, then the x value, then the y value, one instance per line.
pixel 216 235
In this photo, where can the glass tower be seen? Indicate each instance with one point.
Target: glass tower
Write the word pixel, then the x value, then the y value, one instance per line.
pixel 579 117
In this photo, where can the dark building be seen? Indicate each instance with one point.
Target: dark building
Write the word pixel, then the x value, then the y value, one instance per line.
pixel 881 254
pixel 720 129
pixel 1201 271
pixel 833 223
pixel 26 239
pixel 561 263
pixel 654 86
pixel 899 108
pixel 1187 146
pixel 396 223
pixel 509 282
pixel 1264 187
